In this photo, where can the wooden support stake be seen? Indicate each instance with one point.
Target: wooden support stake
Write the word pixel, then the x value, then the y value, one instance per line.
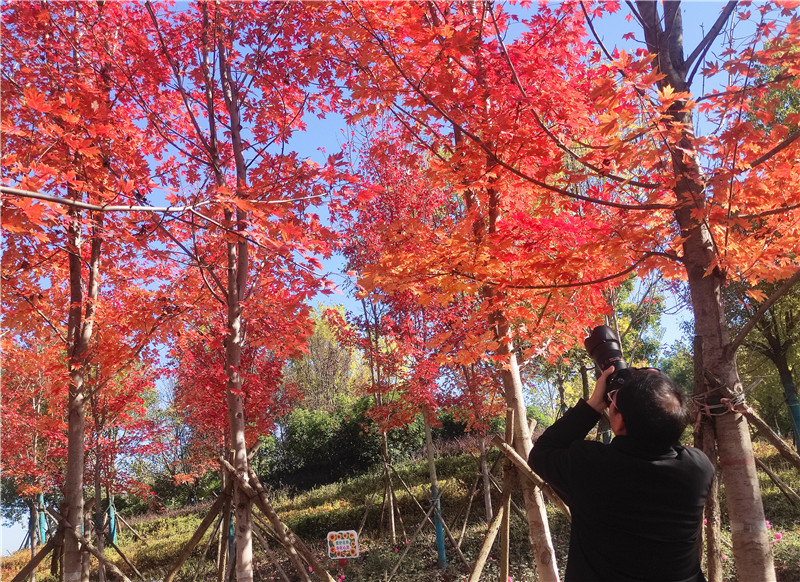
pixel 223 543
pixel 766 431
pixel 195 539
pixel 524 470
pixel 206 548
pixel 126 560
pixel 130 527
pixel 782 485
pixel 29 568
pixel 427 519
pixel 270 554
pixel 294 545
pixel 469 508
pixel 508 485
pixel 491 534
pixel 88 545
pixel 447 530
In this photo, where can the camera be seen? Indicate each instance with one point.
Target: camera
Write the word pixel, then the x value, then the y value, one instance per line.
pixel 604 348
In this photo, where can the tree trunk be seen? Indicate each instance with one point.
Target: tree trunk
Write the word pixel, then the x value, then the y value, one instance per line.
pixel 79 329
pixel 538 527
pixel 705 440
pixel 486 223
pixel 33 532
pixel 238 268
pixel 388 501
pixel 751 546
pixel 99 514
pixel 236 418
pixel 441 559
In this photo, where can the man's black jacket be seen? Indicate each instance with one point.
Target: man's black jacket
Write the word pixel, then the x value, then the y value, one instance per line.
pixel 636 512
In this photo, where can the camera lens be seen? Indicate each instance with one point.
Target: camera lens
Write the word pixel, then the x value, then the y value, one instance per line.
pixel 604 348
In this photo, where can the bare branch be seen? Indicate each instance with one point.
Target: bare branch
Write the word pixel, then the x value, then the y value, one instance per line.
pixel 767 213
pixel 133 208
pixel 597 38
pixel 702 49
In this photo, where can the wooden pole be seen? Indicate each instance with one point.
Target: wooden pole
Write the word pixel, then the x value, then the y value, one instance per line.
pixel 30 567
pixel 705 440
pixel 524 470
pixel 427 519
pixel 206 548
pixel 766 431
pixel 790 494
pixel 508 484
pixel 87 545
pixel 196 537
pixel 270 554
pixel 130 527
pixel 470 497
pixel 293 545
pixel 447 530
pixel 126 560
pixel 491 534
pixel 223 543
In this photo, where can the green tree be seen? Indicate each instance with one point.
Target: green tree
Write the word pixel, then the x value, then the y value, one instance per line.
pixel 328 372
pixel 774 340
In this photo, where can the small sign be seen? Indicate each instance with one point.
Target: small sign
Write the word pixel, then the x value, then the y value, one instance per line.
pixel 342 544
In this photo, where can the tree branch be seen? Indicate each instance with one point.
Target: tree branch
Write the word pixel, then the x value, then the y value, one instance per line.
pixel 789 140
pixel 705 45
pixel 491 155
pixel 559 144
pixel 99 208
pixel 779 292
pixel 552 286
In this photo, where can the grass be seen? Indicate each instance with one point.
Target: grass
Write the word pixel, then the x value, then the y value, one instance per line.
pixel 346 504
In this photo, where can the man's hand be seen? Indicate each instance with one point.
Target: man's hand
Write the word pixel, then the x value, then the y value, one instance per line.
pixel 598 398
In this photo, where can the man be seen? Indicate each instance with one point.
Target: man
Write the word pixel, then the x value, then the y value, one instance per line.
pixel 636 503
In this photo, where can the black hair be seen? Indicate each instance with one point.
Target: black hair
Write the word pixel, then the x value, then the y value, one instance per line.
pixel 653 408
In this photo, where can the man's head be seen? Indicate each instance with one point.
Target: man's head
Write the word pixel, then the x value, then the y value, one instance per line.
pixel 653 408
